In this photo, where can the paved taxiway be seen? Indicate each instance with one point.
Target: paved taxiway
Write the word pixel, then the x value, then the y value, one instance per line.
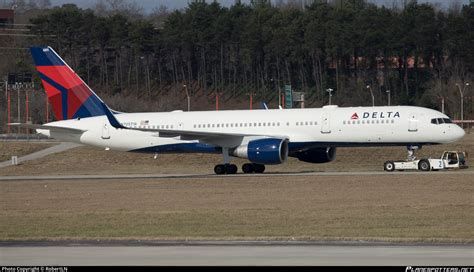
pixel 239 254
pixel 240 175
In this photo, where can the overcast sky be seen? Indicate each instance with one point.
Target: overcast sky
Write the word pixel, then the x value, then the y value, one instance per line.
pixel 148 5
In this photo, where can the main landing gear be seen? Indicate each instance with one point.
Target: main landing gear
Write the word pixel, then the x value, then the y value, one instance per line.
pixel 247 168
pixel 228 168
pixel 253 168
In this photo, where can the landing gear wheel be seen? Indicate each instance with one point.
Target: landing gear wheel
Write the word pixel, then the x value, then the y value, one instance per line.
pixel 220 169
pixel 389 166
pixel 424 165
pixel 231 168
pixel 259 168
pixel 248 168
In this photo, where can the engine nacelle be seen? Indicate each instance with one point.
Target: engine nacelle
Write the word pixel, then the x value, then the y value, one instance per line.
pixel 317 155
pixel 264 151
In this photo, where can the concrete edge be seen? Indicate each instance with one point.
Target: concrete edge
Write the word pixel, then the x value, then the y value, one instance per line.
pixel 152 243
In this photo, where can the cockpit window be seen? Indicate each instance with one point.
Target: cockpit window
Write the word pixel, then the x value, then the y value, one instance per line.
pixel 439 121
pixel 447 121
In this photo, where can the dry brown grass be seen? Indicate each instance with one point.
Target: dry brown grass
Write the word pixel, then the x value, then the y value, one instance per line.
pixel 9 149
pixel 430 208
pixel 89 160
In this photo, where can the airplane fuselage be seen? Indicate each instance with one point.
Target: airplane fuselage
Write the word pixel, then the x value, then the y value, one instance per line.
pixel 260 136
pixel 330 126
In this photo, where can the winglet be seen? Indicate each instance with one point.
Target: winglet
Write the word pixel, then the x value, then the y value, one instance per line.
pixel 110 116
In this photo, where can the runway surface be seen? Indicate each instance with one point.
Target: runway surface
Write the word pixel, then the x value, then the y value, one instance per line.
pixel 239 254
pixel 240 175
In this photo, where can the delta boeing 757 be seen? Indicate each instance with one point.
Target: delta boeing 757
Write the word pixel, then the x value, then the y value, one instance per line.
pixel 261 136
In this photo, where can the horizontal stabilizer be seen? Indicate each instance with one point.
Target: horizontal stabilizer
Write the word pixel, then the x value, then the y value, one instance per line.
pixel 51 128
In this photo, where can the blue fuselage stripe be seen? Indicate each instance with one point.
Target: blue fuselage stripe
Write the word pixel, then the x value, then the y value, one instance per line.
pixel 180 148
pixel 293 147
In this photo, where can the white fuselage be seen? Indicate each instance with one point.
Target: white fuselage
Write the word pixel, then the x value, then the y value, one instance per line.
pixel 304 128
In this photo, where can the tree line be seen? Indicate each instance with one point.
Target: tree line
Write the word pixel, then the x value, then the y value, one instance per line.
pixel 417 52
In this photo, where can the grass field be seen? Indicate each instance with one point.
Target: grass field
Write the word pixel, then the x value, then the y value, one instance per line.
pixel 9 149
pixel 89 160
pixel 431 207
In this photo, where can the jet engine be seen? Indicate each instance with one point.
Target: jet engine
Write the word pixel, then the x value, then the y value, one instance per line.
pixel 317 155
pixel 264 151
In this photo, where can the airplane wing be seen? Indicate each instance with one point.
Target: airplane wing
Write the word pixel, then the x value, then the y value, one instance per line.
pixel 51 128
pixel 209 137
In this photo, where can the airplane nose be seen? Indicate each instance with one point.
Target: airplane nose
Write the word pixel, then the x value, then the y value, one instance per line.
pixel 458 133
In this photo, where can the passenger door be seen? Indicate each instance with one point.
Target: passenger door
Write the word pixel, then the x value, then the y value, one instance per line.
pixel 105 131
pixel 412 123
pixel 326 123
